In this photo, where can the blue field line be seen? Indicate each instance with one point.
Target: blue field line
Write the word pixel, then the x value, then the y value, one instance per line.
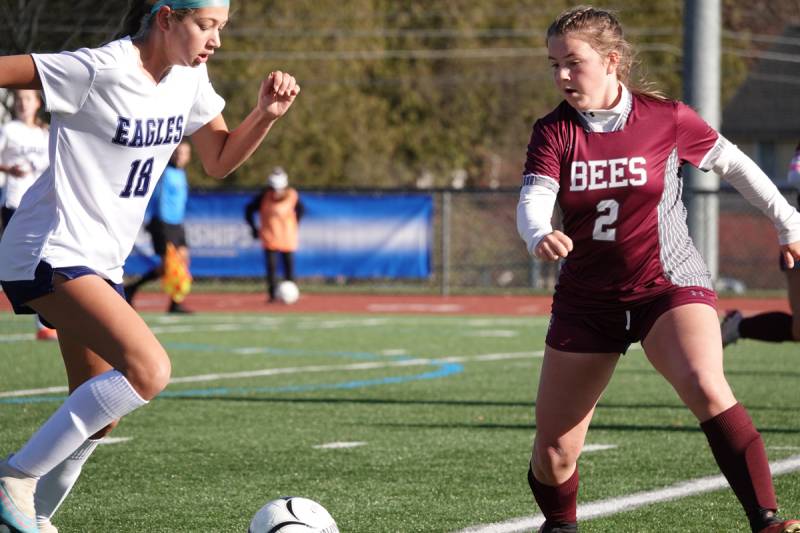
pixel 444 369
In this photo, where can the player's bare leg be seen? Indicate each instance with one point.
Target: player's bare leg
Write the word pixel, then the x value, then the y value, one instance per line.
pixel 685 346
pixel 81 364
pixel 570 385
pixel 85 308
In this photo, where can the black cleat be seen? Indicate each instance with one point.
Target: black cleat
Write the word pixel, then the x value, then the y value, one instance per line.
pixel 559 527
pixel 175 307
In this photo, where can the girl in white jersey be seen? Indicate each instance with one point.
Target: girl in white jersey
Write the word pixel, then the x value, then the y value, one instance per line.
pixel 610 157
pixel 23 157
pixel 118 112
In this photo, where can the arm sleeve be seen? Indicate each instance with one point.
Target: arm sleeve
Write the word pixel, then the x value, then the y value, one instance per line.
pixel 695 138
pixel 543 158
pixel 67 78
pixel 756 187
pixel 540 187
pixel 535 211
pixel 207 105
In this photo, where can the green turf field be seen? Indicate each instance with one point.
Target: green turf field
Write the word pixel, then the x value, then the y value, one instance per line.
pixel 442 405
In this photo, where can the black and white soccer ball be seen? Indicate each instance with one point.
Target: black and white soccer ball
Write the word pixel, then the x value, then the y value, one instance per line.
pixel 293 514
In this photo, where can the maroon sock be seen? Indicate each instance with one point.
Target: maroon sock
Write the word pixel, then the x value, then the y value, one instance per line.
pixel 770 327
pixel 558 504
pixel 741 456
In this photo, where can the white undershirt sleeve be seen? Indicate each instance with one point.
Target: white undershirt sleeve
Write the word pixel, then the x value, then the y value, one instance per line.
pixel 755 186
pixel 535 209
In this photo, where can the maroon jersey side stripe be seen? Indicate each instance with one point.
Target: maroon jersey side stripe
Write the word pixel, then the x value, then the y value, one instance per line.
pixel 680 260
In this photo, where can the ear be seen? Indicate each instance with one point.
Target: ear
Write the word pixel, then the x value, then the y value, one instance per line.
pixel 613 62
pixel 162 18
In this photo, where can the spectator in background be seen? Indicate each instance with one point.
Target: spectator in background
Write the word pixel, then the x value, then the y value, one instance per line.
pixel 280 210
pixel 23 158
pixel 774 326
pixel 168 209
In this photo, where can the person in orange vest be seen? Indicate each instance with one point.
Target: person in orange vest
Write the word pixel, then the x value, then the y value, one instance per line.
pixel 280 210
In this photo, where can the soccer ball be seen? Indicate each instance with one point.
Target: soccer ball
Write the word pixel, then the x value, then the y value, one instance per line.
pixel 292 514
pixel 287 292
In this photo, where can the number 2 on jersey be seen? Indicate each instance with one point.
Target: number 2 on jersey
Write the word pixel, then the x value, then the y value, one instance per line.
pixel 609 211
pixel 140 174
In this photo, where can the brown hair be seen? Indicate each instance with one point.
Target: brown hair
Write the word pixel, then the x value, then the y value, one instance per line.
pixel 38 120
pixel 602 30
pixel 138 19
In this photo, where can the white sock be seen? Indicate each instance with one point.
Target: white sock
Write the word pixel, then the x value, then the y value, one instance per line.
pixel 39 324
pixel 54 486
pixel 90 407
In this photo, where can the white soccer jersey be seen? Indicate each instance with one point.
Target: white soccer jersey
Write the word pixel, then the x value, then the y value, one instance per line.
pixel 113 131
pixel 25 146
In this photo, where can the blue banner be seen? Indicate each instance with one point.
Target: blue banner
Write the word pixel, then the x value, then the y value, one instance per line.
pixel 349 235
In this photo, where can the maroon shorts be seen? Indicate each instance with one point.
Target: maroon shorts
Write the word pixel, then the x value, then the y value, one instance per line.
pixel 614 331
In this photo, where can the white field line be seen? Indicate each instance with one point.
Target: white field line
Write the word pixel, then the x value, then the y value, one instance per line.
pixel 114 440
pixel 414 308
pixel 372 365
pixel 339 445
pixel 508 333
pixel 174 325
pixel 621 504
pixel 597 447
pixel 16 337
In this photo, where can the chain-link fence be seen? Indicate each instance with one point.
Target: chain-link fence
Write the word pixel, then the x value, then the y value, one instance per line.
pixel 479 247
pixel 476 248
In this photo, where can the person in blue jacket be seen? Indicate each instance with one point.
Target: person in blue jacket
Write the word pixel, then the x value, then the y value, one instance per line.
pixel 168 208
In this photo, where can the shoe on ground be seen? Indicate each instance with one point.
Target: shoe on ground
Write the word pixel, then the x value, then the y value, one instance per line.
pixel 559 527
pixel 45 526
pixel 16 500
pixel 783 526
pixel 175 307
pixel 46 334
pixel 730 327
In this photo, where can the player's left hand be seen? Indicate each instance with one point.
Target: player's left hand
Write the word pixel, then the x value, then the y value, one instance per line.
pixel 790 253
pixel 277 93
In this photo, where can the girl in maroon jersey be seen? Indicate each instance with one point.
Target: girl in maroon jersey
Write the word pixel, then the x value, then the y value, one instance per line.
pixel 610 156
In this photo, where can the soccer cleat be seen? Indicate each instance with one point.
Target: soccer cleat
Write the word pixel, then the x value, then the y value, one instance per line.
pixel 45 526
pixel 559 527
pixel 730 327
pixel 46 334
pixel 16 500
pixel 785 526
pixel 175 307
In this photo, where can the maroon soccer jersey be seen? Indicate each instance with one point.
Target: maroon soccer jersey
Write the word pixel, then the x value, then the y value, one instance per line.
pixel 620 197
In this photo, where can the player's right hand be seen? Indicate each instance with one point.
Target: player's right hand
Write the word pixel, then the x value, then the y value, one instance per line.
pixel 553 246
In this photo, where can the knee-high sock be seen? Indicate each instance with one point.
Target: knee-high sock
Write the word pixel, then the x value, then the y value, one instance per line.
pixel 741 456
pixel 558 504
pixel 89 408
pixel 770 327
pixel 54 486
